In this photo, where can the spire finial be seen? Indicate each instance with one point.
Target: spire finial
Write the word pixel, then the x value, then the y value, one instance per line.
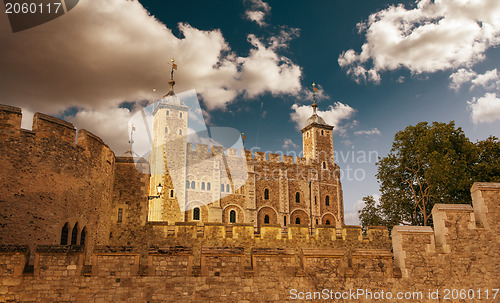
pixel 314 105
pixel 171 82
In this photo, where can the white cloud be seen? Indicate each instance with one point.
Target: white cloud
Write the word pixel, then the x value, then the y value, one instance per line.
pixel 110 124
pixel 485 109
pixel 433 36
pixel 334 115
pixel 370 132
pixel 488 80
pixel 90 58
pixel 288 144
pixel 257 11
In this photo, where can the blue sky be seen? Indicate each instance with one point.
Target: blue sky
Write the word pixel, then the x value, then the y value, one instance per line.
pixel 253 62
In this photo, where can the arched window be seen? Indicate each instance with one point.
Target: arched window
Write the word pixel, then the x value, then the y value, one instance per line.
pixel 228 189
pixel 324 165
pixel 166 130
pixel 266 194
pixel 297 197
pixel 317 222
pixel 209 186
pixel 232 216
pixel 180 132
pixel 284 220
pixel 297 220
pixel 196 213
pixel 222 187
pixel 82 236
pixel 203 185
pixel 74 234
pixel 64 234
pixel 180 115
pixel 193 185
pixel 187 184
pixel 322 133
pixel 266 219
pixel 327 222
pixel 327 200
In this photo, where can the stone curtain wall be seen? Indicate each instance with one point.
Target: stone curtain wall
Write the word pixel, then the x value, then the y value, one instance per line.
pixel 461 252
pixel 49 177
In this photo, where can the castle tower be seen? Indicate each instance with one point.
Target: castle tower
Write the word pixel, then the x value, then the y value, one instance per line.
pixel 169 157
pixel 317 138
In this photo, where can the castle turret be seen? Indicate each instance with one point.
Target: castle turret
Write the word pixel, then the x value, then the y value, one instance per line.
pixel 168 158
pixel 317 138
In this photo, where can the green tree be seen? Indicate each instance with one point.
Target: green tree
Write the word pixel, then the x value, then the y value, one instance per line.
pixel 370 214
pixel 488 166
pixel 427 164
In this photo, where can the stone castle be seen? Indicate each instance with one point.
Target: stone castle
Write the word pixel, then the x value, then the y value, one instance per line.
pixel 79 224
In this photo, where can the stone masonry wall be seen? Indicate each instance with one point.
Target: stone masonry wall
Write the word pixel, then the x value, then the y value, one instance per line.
pixel 457 261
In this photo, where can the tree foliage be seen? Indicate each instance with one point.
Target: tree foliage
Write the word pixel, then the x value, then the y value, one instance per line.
pixel 429 164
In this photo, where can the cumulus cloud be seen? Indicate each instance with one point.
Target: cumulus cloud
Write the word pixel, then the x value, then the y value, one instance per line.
pixel 92 58
pixel 105 52
pixel 370 132
pixel 352 217
pixel 288 144
pixel 433 36
pixel 110 124
pixel 488 80
pixel 257 11
pixel 485 109
pixel 334 115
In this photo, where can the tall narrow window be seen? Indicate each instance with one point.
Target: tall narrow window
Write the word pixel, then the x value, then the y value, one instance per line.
pixel 322 132
pixel 232 216
pixel 266 219
pixel 64 234
pixel 222 187
pixel 74 234
pixel 284 220
pixel 82 236
pixel 327 200
pixel 228 189
pixel 166 130
pixel 297 220
pixel 266 194
pixel 120 215
pixel 168 113
pixel 315 201
pixel 193 185
pixel 180 132
pixel 209 186
pixel 202 185
pixel 187 184
pixel 324 165
pixel 180 115
pixel 297 197
pixel 317 222
pixel 196 213
pixel 171 193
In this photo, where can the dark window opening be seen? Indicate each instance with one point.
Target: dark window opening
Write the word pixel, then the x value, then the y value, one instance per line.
pixel 193 185
pixel 297 220
pixel 324 165
pixel 284 220
pixel 315 200
pixel 222 187
pixel 297 197
pixel 171 193
pixel 203 185
pixel 187 184
pixel 64 234
pixel 327 222
pixel 180 115
pixel 120 215
pixel 74 234
pixel 166 130
pixel 266 219
pixel 232 216
pixel 266 194
pixel 227 188
pixel 209 187
pixel 317 222
pixel 196 213
pixel 327 200
pixel 82 236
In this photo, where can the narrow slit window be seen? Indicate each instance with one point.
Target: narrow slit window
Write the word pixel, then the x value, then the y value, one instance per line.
pixel 196 213
pixel 74 234
pixel 120 215
pixel 64 234
pixel 266 219
pixel 232 216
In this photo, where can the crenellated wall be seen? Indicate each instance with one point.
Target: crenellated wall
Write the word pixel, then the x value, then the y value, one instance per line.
pixel 51 177
pixel 461 252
